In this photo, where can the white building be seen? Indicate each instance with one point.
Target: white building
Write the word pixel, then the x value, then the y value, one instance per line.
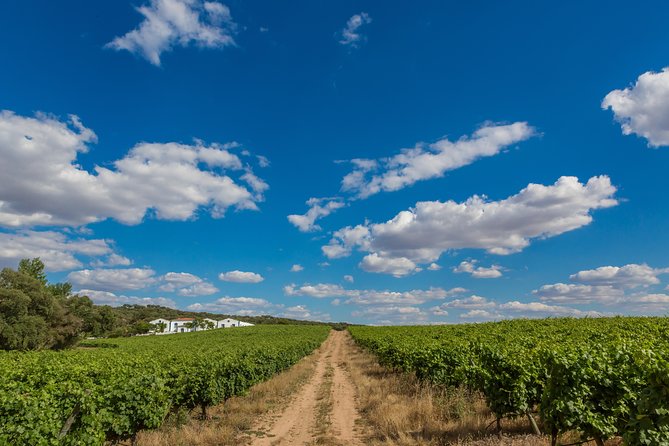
pixel 181 325
pixel 159 321
pixel 225 323
pixel 185 324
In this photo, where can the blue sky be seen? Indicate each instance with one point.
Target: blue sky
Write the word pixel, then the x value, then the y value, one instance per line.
pixel 440 162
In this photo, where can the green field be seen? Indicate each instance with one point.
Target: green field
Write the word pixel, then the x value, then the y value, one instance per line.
pixel 119 386
pixel 600 377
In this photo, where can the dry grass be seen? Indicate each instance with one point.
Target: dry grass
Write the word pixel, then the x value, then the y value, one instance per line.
pixel 230 423
pixel 400 410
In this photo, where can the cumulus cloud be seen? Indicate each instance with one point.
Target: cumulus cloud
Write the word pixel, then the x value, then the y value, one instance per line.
pixel 304 313
pixel 433 267
pixel 111 299
pixel 41 182
pixel 349 278
pixel 628 276
pixel 58 251
pixel 296 268
pixel 481 309
pixel 244 306
pixel 318 208
pixel 241 277
pixel 643 108
pixel 177 23
pixel 112 260
pixel 395 266
pixel 610 285
pixel 543 309
pixel 350 35
pixel 393 315
pixel 478 272
pixel 370 297
pixel 253 306
pixel 423 233
pixel 427 161
pixel 186 284
pixel 481 315
pixel 113 279
pixel 471 302
pixel 577 294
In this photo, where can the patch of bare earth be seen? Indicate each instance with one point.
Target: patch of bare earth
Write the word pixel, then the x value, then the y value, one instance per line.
pixel 323 412
pixel 313 403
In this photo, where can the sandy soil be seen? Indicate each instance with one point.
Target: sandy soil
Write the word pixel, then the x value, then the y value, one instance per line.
pixel 302 421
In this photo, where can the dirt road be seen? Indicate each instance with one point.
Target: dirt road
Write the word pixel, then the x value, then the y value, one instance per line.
pixel 324 410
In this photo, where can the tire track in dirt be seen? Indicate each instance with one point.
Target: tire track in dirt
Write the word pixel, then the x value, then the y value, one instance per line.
pixel 298 423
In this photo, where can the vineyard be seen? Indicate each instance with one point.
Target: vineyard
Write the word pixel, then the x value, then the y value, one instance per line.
pixel 599 377
pixel 114 388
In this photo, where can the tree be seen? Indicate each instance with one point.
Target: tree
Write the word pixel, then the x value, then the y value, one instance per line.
pixel 33 314
pixel 33 268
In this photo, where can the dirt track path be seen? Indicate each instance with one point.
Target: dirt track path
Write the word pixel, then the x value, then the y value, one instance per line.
pixel 323 408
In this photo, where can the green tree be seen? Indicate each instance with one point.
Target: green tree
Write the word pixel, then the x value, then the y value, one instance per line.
pixel 33 314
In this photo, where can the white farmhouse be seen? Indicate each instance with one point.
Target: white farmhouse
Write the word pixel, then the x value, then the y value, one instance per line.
pixel 208 323
pixel 185 324
pixel 225 323
pixel 179 325
pixel 160 321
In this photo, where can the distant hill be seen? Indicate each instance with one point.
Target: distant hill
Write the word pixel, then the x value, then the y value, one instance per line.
pixel 131 314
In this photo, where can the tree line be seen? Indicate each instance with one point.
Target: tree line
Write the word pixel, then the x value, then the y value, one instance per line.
pixel 36 314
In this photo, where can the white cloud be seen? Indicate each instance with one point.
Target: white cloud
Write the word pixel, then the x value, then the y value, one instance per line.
pixel 345 239
pixel 643 108
pixel 108 298
pixel 469 303
pixel 433 267
pixel 370 297
pixel 576 294
pixel 350 35
pixel 427 161
pixel 628 276
pixel 41 182
pixel 56 250
pixel 478 272
pixel 349 278
pixel 544 309
pixel 251 306
pixel 296 268
pixel 318 208
pixel 649 303
pixel 241 277
pixel 113 279
pixel 393 315
pixel 423 233
pixel 610 285
pixel 245 306
pixel 171 23
pixel 477 307
pixel 304 313
pixel 320 290
pixel 186 284
pixel 483 315
pixel 112 260
pixel 396 266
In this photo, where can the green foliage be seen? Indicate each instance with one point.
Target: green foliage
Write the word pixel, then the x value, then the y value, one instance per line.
pixel 601 377
pixel 33 314
pixel 111 393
